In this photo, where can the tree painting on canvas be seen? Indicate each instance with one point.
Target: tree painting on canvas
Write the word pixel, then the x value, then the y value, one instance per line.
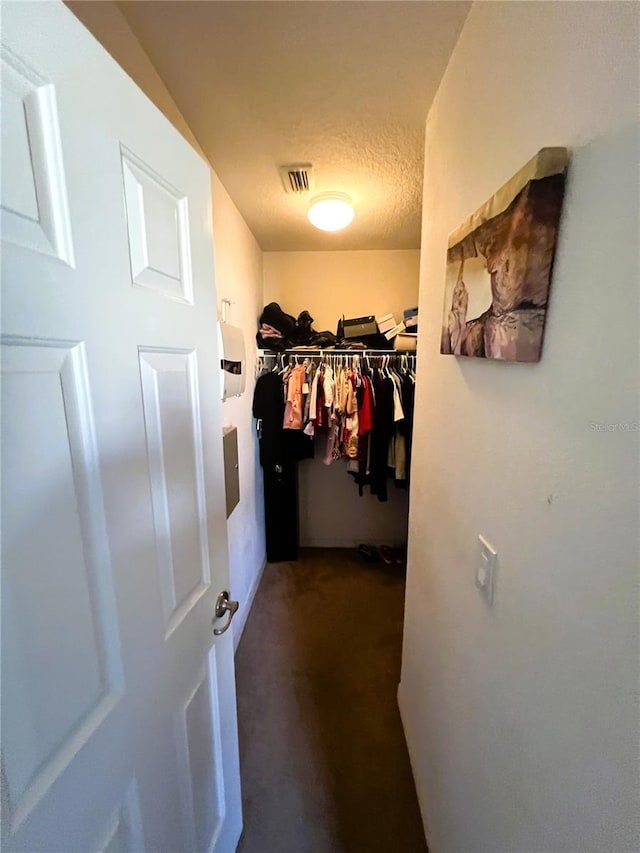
pixel 499 266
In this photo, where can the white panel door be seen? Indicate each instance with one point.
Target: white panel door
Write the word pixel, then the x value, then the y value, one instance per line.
pixel 118 703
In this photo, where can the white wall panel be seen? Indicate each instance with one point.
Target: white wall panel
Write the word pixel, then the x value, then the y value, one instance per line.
pixel 522 718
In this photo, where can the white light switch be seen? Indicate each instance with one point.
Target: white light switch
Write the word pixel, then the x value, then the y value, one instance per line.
pixel 485 568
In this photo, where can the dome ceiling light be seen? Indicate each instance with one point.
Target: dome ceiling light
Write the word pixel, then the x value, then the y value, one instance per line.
pixel 331 211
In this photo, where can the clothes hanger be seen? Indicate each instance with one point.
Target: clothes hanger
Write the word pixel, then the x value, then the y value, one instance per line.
pixel 284 366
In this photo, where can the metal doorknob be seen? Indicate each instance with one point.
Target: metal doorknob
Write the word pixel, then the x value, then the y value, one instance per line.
pixel 224 605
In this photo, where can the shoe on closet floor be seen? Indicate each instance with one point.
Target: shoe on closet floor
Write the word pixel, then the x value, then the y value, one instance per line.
pixel 368 553
pixel 393 556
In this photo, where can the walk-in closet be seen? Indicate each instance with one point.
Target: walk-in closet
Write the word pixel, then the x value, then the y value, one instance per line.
pixel 333 409
pixel 367 303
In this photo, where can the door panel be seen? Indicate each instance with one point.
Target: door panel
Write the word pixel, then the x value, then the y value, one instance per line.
pixel 199 761
pixel 124 829
pixel 158 226
pixel 119 722
pixel 35 211
pixel 174 450
pixel 58 609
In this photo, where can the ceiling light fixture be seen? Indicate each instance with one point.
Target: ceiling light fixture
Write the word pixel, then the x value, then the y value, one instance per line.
pixel 331 211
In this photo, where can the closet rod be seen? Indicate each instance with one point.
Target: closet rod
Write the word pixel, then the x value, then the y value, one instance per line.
pixel 327 351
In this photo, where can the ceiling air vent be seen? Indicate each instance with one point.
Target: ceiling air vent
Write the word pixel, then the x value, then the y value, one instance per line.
pixel 298 178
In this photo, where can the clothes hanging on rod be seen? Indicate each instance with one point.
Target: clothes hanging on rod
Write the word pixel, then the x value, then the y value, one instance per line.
pixel 359 403
pixel 280 451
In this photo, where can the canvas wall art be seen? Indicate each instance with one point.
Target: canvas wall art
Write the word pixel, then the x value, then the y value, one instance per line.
pixel 499 265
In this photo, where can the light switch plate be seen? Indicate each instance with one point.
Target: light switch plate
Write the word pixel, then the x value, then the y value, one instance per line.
pixel 486 568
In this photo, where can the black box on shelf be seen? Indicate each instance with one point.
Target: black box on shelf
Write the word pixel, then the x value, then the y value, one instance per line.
pixel 359 327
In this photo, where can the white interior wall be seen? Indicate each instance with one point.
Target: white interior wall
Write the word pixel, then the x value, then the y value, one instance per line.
pixel 329 284
pixel 238 272
pixel 238 264
pixel 522 719
pixel 333 515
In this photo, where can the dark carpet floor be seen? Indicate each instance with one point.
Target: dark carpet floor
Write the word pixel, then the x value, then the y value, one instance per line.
pixel 323 760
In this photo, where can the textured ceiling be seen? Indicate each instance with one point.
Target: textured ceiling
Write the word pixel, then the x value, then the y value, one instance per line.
pixel 343 85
